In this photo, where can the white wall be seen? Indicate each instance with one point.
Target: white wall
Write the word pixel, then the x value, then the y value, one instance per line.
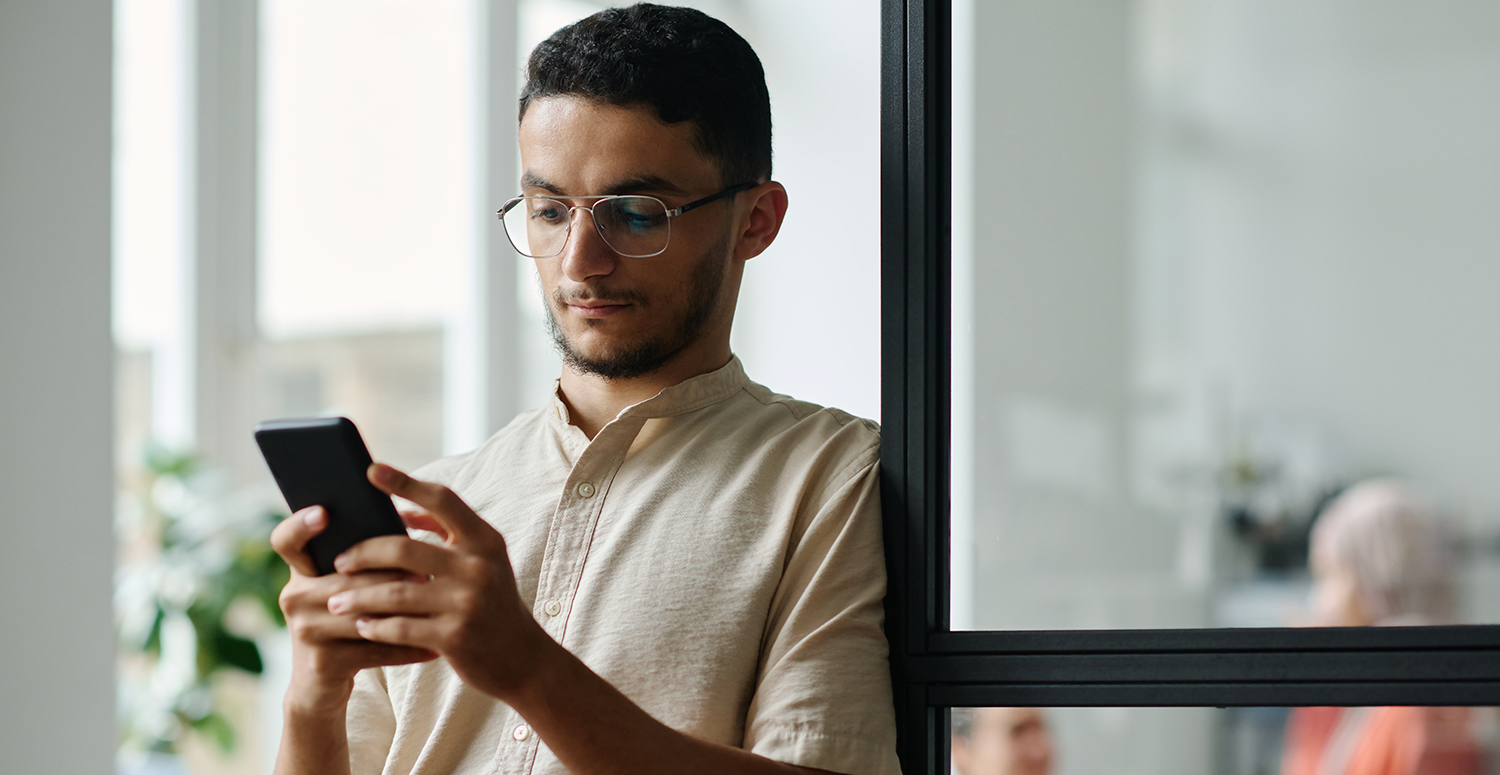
pixel 56 389
pixel 1339 220
pixel 809 317
pixel 1060 538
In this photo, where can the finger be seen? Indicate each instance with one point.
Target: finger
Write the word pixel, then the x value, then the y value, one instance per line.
pixel 393 553
pixel 393 599
pixel 417 519
pixel 373 654
pixel 290 538
pixel 399 631
pixel 304 599
pixel 356 653
pixel 455 516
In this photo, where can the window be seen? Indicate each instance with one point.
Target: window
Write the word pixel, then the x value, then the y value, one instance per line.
pixel 939 660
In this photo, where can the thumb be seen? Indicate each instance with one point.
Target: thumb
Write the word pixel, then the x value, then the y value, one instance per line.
pixel 449 512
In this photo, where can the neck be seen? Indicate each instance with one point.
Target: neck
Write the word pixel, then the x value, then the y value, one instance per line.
pixel 593 401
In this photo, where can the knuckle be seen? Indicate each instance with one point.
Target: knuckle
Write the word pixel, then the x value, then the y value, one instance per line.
pixel 466 601
pixel 399 594
pixel 293 598
pixel 446 498
pixel 397 629
pixel 474 568
pixel 283 536
pixel 300 629
pixel 449 635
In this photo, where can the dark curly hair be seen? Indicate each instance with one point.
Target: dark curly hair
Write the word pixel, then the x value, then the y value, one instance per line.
pixel 682 63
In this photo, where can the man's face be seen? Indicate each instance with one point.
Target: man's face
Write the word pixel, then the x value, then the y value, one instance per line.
pixel 613 316
pixel 1005 741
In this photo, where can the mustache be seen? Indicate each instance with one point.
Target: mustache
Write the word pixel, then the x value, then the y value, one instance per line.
pixel 582 293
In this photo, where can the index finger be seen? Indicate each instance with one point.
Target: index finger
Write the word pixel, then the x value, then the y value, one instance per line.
pixel 290 538
pixel 442 504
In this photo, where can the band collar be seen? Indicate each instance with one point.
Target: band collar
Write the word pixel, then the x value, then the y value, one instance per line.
pixel 686 396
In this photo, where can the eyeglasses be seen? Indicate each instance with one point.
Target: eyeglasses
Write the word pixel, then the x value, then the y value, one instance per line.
pixel 633 226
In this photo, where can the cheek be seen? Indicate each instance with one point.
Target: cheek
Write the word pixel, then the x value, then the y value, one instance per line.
pixel 547 280
pixel 1333 601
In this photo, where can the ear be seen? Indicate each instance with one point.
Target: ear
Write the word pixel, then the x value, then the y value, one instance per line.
pixel 762 222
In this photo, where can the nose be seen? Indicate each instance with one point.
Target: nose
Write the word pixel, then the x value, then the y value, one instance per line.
pixel 585 254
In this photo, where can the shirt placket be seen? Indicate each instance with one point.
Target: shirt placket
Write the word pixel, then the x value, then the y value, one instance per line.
pixel 568 539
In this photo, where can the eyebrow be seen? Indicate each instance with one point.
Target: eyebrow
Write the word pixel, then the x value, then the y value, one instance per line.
pixel 639 184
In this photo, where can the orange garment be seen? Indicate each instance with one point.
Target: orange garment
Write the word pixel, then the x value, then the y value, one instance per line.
pixel 1381 741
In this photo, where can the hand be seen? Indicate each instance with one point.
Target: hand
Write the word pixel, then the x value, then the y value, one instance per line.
pixel 458 599
pixel 327 649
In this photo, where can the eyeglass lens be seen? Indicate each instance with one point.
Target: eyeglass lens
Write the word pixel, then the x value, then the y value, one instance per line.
pixel 630 225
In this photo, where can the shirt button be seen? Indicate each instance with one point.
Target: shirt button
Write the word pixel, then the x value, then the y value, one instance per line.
pixel 521 732
pixel 584 490
pixel 553 608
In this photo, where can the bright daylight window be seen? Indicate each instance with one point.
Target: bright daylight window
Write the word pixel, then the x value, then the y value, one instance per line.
pixel 365 211
pixel 365 204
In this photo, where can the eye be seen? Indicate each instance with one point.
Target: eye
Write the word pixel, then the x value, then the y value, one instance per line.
pixel 638 215
pixel 546 212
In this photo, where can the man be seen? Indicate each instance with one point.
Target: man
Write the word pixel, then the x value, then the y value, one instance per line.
pixel 1001 741
pixel 669 569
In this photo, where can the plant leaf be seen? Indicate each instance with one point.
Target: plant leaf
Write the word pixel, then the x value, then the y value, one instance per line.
pixel 216 728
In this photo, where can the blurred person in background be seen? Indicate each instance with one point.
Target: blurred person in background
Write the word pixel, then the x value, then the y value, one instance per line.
pixel 1381 556
pixel 1001 741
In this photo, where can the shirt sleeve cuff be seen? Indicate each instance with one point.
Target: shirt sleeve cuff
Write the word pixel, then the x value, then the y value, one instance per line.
pixel 815 746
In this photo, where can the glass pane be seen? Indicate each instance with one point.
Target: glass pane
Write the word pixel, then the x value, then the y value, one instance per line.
pixel 1229 741
pixel 367 209
pixel 1216 262
pixel 149 202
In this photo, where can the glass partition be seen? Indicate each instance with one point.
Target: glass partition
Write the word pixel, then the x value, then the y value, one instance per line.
pixel 1216 263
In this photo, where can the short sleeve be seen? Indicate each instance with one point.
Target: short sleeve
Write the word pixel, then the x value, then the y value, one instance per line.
pixel 823 692
pixel 371 723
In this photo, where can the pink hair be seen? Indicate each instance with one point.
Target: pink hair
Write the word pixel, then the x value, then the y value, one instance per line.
pixel 1400 552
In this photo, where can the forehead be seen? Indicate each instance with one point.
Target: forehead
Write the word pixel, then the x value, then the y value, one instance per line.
pixel 579 147
pixel 1005 719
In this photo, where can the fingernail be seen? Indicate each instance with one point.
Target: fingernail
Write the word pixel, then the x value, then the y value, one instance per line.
pixel 338 603
pixel 362 625
pixel 314 517
pixel 341 563
pixel 383 473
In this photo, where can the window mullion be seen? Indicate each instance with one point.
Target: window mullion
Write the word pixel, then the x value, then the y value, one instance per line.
pixel 220 281
pixel 482 343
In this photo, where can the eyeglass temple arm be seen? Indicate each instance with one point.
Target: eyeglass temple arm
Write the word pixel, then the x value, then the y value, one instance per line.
pixel 731 191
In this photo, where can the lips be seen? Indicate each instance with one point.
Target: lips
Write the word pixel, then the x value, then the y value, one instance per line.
pixel 595 308
pixel 591 303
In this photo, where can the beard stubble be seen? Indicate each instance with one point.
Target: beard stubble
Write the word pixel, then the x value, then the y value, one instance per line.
pixel 651 352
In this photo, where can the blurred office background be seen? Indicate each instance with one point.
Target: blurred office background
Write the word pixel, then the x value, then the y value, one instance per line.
pixel 1214 260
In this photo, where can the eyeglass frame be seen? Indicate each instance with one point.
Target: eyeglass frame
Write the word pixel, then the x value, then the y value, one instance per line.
pixel 669 214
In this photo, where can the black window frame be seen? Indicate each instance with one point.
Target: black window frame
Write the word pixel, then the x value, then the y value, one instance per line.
pixel 934 668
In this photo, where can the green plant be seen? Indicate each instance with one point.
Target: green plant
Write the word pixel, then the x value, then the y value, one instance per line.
pixel 197 581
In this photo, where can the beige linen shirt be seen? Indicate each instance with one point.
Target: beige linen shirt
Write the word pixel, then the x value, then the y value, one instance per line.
pixel 714 553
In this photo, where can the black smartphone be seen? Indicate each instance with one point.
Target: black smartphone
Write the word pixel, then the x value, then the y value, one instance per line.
pixel 322 462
